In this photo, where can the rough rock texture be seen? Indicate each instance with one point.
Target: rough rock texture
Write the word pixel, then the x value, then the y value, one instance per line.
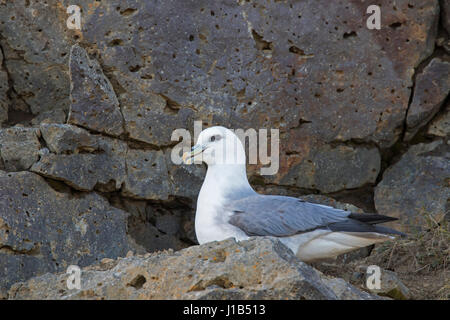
pixel 44 230
pixel 36 43
pixel 255 269
pixel 19 147
pixel 86 161
pixel 82 160
pixel 318 76
pixel 4 87
pixel 331 169
pixel 94 104
pixel 138 183
pixel 432 87
pixel 416 187
pixel 391 286
pixel 440 126
pixel 347 101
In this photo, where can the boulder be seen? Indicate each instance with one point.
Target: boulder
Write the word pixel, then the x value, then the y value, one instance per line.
pixel 259 268
pixel 19 147
pixel 416 189
pixel 94 104
pixel 45 230
pixel 82 160
pixel 390 285
pixel 431 88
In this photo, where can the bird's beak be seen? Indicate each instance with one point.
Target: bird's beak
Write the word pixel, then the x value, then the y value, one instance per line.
pixel 189 157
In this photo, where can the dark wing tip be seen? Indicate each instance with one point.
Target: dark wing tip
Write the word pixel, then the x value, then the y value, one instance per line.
pixel 371 218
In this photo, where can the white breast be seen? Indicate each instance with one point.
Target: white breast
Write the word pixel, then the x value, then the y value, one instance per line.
pixel 211 223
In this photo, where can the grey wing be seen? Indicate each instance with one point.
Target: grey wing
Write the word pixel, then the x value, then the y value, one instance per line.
pixel 280 216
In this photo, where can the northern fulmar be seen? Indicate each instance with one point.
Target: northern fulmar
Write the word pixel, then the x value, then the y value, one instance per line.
pixel 227 206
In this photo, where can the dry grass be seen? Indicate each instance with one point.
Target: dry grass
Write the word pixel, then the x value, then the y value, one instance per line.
pixel 421 261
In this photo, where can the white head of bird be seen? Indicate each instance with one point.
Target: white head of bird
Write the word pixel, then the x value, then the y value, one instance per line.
pixel 217 146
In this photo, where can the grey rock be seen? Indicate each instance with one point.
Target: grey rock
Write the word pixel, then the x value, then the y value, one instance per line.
pixel 331 169
pixel 259 268
pixel 440 125
pixel 36 44
pixel 49 116
pixel 186 179
pixel 44 230
pixel 345 291
pixel 431 88
pixel 82 160
pixel 390 286
pixel 416 189
pixel 147 175
pixel 87 161
pixel 65 138
pixel 153 121
pixel 94 104
pixel 19 147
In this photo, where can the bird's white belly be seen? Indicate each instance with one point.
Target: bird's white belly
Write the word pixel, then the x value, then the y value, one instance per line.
pixel 321 244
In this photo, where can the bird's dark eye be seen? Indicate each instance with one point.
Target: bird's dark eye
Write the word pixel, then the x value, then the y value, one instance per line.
pixel 217 137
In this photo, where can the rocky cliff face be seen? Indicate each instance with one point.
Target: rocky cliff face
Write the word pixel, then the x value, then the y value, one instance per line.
pixel 86 115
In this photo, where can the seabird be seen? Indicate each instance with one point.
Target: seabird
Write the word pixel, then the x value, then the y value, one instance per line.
pixel 227 206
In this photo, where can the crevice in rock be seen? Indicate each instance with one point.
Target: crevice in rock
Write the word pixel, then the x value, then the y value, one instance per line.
pixel 361 197
pixel 355 143
pixel 172 107
pixel 350 34
pixel 143 222
pixel 395 25
pixel 220 281
pixel 299 52
pixel 392 154
pixel 34 251
pixel 260 43
pixel 15 116
pixel 60 186
pixel 93 53
pixel 128 11
pixel 138 282
pixel 437 52
pixel 300 123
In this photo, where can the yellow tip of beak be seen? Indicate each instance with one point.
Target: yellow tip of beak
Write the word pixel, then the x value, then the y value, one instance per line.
pixel 187 158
